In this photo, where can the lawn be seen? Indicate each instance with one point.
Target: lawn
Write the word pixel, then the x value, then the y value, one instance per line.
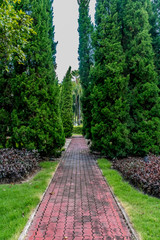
pixel 143 210
pixel 17 201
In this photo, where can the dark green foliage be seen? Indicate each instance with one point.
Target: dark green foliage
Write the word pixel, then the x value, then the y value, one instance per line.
pixel 124 86
pixel 155 33
pixel 6 106
pixel 39 126
pixel 144 92
pixel 85 60
pixel 77 130
pixel 86 111
pixel 110 110
pixel 32 91
pixel 66 104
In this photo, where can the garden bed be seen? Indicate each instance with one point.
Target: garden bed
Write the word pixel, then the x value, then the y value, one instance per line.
pixel 143 173
pixel 16 165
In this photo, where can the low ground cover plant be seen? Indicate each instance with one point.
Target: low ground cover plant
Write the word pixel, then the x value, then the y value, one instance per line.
pixel 16 164
pixel 143 173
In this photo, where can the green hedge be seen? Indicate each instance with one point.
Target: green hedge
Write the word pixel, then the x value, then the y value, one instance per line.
pixel 77 130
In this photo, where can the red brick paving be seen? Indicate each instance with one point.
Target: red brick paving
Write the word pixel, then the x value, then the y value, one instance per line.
pixel 78 204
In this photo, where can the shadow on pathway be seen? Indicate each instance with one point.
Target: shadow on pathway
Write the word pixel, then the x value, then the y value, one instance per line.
pixel 78 204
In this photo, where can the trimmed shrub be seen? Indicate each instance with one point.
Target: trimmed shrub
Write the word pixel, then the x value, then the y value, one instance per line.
pixel 77 130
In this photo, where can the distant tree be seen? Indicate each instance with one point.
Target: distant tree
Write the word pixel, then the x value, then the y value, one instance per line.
pixel 67 103
pixel 15 31
pixel 155 33
pixel 110 108
pixel 144 92
pixel 77 93
pixel 85 61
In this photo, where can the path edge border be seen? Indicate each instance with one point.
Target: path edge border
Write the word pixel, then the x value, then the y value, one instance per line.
pixel 126 217
pixel 29 222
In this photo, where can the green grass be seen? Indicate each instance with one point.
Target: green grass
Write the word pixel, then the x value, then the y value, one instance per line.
pixel 18 201
pixel 76 134
pixel 77 130
pixel 143 210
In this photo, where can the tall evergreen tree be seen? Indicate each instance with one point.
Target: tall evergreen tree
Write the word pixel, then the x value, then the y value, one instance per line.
pixel 35 115
pixel 77 91
pixel 85 60
pixel 67 103
pixel 110 110
pixel 15 30
pixel 155 33
pixel 144 92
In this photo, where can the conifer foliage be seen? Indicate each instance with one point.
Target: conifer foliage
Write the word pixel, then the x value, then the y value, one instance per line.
pixel 67 103
pixel 110 110
pixel 144 92
pixel 15 30
pixel 85 60
pixel 77 91
pixel 155 33
pixel 33 100
pixel 124 92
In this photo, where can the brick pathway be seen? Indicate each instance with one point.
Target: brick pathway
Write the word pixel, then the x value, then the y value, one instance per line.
pixel 78 204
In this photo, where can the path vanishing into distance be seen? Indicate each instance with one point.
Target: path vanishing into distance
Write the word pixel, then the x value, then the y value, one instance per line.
pixel 78 204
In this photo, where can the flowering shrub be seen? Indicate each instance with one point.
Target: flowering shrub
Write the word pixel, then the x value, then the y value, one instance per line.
pixel 16 164
pixel 143 174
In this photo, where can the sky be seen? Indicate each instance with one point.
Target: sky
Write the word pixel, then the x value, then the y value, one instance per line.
pixel 66 24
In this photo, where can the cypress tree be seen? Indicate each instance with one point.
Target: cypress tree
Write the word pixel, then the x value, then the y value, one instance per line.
pixel 35 116
pixel 67 103
pixel 110 110
pixel 155 26
pixel 16 29
pixel 85 60
pixel 144 92
pixel 77 91
pixel 5 107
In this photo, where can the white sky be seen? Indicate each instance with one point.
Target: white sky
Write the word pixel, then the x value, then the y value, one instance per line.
pixel 66 25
